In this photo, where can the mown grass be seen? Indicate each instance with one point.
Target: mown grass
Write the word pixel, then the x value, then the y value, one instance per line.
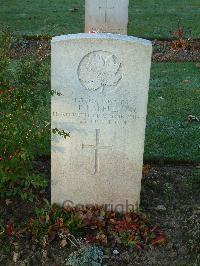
pixel 174 95
pixel 158 19
pixel 149 19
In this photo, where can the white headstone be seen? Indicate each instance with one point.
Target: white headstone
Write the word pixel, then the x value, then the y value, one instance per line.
pixel 106 16
pixel 104 81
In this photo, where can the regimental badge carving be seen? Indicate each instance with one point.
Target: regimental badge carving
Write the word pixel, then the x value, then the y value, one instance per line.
pixel 99 70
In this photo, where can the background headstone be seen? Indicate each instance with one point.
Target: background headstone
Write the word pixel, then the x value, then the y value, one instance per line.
pixel 108 16
pixel 104 81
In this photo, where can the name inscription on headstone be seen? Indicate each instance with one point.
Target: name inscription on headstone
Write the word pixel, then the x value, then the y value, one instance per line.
pixel 92 111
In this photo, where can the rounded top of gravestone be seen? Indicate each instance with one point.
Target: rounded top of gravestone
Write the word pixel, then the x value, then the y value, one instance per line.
pixel 107 36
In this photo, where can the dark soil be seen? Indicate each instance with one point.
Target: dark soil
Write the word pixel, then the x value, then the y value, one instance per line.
pixel 163 51
pixel 172 202
pixel 169 196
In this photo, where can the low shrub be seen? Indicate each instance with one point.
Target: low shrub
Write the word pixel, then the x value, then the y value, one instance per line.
pixel 24 121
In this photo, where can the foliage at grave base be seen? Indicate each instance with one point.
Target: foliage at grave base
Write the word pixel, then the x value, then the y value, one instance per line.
pixel 182 38
pixel 88 230
pixel 90 225
pixel 24 123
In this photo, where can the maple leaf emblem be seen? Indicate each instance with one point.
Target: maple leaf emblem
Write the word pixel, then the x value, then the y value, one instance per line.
pixel 99 70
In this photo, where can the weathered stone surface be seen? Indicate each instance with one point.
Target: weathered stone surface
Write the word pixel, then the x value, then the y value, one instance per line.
pixel 106 16
pixel 104 81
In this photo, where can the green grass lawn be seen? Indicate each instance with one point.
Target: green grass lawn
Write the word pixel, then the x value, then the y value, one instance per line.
pixel 158 18
pixel 174 94
pixel 147 18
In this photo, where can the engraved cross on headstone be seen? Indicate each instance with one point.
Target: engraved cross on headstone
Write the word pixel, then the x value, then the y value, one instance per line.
pixel 108 7
pixel 105 7
pixel 96 149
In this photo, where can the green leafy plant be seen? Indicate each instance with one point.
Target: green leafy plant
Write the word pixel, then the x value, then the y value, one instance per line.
pixel 134 230
pixel 24 122
pixel 96 225
pixel 61 132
